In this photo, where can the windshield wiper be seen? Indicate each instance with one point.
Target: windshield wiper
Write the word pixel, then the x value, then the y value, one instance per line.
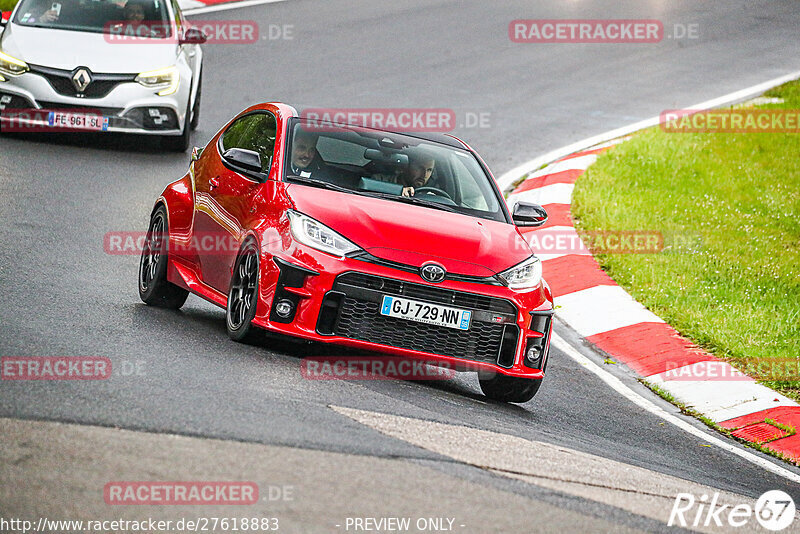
pixel 320 183
pixel 417 201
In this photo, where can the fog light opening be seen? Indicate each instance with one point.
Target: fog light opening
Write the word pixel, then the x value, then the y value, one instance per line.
pixel 534 354
pixel 284 308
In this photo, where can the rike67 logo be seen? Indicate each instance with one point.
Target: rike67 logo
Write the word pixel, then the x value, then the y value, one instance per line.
pixel 774 510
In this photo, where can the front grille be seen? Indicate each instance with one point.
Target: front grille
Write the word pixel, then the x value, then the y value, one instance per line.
pixel 439 295
pixel 356 298
pixel 100 86
pixel 10 102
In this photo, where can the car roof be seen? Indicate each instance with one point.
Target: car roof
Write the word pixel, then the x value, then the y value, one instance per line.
pixel 436 137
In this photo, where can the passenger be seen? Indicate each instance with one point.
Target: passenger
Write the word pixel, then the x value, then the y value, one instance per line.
pixel 307 162
pixel 133 11
pixel 305 157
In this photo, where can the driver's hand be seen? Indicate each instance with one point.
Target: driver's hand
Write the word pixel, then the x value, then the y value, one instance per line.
pixel 408 191
pixel 49 16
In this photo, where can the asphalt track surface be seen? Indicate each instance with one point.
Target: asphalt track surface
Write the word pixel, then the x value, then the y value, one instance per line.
pixel 63 295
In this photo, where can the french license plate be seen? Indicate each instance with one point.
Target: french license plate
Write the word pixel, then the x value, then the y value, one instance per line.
pixel 78 121
pixel 424 312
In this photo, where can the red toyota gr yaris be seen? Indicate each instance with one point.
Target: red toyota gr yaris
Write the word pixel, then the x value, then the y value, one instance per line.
pixel 396 243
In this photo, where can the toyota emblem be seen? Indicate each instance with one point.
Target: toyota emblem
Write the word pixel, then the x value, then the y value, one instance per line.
pixel 432 272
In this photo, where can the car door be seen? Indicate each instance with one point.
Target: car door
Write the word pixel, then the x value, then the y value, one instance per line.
pixel 225 195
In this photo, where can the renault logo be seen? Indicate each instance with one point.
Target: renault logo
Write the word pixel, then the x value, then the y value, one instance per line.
pixel 81 79
pixel 432 272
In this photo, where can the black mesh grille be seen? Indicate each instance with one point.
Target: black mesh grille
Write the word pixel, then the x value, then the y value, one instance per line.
pixel 101 85
pixel 429 293
pixel 13 102
pixel 359 318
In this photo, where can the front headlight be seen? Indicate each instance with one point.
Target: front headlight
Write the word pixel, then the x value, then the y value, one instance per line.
pixel 166 79
pixel 525 275
pixel 316 235
pixel 11 65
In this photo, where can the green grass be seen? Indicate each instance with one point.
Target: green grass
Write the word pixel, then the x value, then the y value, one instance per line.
pixel 728 206
pixel 7 5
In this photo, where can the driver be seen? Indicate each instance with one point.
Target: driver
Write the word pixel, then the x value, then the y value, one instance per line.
pixel 420 169
pixel 42 11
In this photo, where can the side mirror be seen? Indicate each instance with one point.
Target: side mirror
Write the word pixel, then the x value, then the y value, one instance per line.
pixel 5 18
pixel 243 158
pixel 526 214
pixel 193 36
pixel 196 152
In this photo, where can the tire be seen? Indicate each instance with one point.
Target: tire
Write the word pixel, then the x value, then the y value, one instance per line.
pixel 196 106
pixel 154 288
pixel 243 295
pixel 509 388
pixel 179 143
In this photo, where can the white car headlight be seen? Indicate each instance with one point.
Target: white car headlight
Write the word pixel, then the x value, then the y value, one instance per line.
pixel 316 235
pixel 11 65
pixel 525 275
pixel 165 79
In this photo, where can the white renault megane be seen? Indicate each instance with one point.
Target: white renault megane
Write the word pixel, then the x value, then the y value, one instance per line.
pixel 108 65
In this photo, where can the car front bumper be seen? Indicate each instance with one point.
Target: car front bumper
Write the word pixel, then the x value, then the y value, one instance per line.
pixel 337 300
pixel 128 106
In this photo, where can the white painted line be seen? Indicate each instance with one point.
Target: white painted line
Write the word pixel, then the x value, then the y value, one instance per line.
pixel 616 384
pixel 549 194
pixel 601 309
pixel 507 179
pixel 636 489
pixel 721 400
pixel 229 5
pixel 580 163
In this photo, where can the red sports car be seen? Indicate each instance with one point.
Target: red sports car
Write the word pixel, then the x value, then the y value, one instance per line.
pixel 396 243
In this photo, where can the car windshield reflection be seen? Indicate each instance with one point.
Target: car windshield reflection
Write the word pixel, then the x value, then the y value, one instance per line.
pixel 393 166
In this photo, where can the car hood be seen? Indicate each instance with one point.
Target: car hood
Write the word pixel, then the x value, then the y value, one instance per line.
pixel 413 235
pixel 63 49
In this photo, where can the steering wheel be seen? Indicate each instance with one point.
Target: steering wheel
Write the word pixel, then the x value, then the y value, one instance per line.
pixel 434 190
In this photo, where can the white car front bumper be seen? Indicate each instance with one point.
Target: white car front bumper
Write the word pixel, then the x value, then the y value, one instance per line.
pixel 129 106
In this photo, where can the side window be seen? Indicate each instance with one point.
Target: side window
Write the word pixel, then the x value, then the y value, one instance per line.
pixel 471 194
pixel 254 132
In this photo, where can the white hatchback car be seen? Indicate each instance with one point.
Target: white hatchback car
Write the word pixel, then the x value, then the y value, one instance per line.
pixel 109 65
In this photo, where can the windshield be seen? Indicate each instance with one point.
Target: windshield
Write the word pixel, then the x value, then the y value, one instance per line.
pixel 131 18
pixel 390 166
